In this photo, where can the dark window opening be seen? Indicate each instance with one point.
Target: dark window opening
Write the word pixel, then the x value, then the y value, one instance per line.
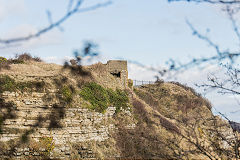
pixel 116 74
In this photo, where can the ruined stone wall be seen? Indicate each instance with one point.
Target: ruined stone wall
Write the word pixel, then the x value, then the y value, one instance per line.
pixel 78 125
pixel 113 74
pixel 119 66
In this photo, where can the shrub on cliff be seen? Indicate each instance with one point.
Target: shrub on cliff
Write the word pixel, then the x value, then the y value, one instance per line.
pixel 67 92
pixel 3 59
pixel 100 98
pixel 96 95
pixel 19 59
pixel 118 99
pixel 4 64
pixel 26 57
pixel 9 84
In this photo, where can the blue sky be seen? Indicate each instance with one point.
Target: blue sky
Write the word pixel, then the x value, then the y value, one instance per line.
pixel 150 32
pixel 147 31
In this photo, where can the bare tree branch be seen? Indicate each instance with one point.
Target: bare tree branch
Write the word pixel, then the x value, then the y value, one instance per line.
pixel 231 7
pixel 70 12
pixel 176 67
pixel 70 5
pixel 209 1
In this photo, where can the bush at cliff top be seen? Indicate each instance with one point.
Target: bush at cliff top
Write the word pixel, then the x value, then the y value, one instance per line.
pixel 4 64
pixel 100 98
pixel 3 59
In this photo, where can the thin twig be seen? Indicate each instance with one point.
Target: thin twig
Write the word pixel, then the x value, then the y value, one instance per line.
pixel 76 9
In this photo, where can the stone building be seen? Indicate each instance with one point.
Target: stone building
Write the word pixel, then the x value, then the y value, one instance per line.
pixel 118 68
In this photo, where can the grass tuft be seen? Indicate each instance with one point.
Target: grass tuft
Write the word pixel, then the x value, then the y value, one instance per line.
pixel 48 144
pixel 67 92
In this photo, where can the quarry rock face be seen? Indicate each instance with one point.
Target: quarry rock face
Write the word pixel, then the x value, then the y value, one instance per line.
pixel 40 123
pixel 77 125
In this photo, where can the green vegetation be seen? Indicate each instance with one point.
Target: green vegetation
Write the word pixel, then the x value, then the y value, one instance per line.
pixel 96 95
pixel 100 98
pixel 9 84
pixel 4 63
pixel 48 144
pixel 38 86
pixel 118 99
pixel 16 61
pixel 19 59
pixel 3 59
pixel 130 83
pixel 67 93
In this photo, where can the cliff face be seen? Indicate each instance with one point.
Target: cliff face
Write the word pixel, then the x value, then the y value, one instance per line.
pixel 44 114
pixel 48 111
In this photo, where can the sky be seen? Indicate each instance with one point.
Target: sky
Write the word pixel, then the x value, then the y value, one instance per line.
pixel 147 31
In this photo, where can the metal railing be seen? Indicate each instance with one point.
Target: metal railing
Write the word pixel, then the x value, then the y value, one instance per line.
pixel 140 83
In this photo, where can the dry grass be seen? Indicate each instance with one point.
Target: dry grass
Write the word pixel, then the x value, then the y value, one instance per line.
pixel 140 109
pixel 191 102
pixel 186 88
pixel 98 68
pixel 19 59
pixel 186 103
pixel 147 97
pixel 172 96
pixel 190 113
pixel 143 142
